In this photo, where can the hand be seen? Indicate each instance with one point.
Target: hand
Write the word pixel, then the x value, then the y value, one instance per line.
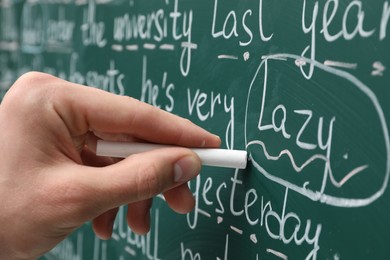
pixel 50 180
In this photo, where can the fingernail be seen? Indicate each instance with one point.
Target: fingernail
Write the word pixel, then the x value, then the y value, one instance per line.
pixel 186 169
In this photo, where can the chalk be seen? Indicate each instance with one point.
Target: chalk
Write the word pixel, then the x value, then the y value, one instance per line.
pixel 208 156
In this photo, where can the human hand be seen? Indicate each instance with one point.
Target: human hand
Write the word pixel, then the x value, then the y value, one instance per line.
pixel 51 182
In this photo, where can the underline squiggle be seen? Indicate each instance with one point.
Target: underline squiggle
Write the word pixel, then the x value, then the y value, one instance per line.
pixel 299 169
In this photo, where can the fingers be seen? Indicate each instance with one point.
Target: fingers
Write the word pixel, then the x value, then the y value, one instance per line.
pixel 138 216
pixel 67 113
pixel 180 199
pixel 103 224
pixel 136 178
pixel 84 108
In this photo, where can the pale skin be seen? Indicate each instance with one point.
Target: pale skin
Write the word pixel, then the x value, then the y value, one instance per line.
pixel 51 182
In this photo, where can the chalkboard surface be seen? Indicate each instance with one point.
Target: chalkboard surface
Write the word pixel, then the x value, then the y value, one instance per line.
pixel 303 85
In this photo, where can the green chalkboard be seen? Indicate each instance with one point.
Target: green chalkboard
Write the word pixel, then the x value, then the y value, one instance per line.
pixel 304 85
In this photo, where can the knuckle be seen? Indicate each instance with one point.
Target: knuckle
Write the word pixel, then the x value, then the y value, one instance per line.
pixel 31 100
pixel 32 81
pixel 32 76
pixel 187 121
pixel 30 88
pixel 181 135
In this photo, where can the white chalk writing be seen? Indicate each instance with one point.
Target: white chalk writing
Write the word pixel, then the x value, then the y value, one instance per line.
pixel 266 76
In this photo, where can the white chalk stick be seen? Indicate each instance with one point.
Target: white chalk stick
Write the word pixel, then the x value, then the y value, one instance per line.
pixel 208 156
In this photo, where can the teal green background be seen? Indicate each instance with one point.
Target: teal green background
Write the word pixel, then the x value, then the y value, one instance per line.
pixel 309 100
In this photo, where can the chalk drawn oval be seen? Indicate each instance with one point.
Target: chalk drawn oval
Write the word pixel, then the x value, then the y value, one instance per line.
pixel 336 107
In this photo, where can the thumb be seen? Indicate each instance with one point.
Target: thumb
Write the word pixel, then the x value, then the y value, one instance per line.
pixel 138 177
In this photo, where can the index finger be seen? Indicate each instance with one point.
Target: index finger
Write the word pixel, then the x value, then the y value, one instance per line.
pixel 101 111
